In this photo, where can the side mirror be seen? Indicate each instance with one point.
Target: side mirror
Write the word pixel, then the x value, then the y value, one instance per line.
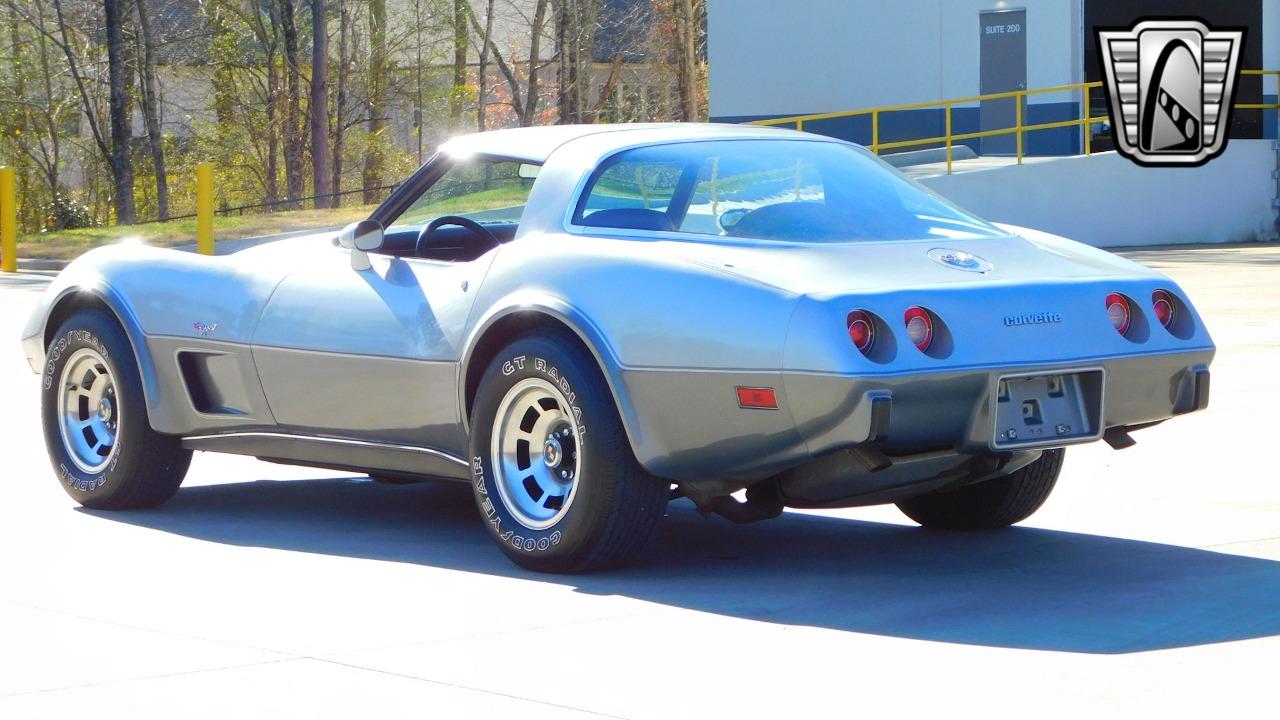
pixel 360 238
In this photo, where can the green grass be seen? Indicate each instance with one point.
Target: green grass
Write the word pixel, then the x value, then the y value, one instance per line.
pixel 491 199
pixel 69 244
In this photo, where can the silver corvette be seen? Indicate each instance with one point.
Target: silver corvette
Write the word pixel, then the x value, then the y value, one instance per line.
pixel 584 322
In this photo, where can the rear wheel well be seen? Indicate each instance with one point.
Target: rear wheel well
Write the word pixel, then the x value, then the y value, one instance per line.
pixel 503 332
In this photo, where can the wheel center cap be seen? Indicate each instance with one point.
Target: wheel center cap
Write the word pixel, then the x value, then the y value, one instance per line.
pixel 552 453
pixel 104 409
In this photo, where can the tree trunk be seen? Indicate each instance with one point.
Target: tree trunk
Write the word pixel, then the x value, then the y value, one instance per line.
pixel 294 145
pixel 151 109
pixel 273 107
pixel 320 105
pixel 482 70
pixel 339 112
pixel 687 59
pixel 121 164
pixel 529 115
pixel 54 156
pixel 565 77
pixel 373 160
pixel 575 44
pixel 459 62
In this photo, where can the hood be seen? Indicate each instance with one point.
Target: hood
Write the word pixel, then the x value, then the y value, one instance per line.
pixel 293 250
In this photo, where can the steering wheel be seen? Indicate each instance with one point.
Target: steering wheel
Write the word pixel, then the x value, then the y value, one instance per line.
pixel 490 240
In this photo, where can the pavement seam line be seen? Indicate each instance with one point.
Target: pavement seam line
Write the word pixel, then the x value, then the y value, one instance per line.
pixel 495 633
pixel 126 626
pixel 144 678
pixel 457 686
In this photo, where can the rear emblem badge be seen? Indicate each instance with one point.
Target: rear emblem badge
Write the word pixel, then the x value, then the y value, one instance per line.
pixel 959 260
pixel 203 329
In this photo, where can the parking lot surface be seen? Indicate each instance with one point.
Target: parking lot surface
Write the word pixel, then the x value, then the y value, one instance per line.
pixel 1148 585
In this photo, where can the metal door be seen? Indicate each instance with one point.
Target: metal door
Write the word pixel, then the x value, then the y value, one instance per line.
pixel 1003 42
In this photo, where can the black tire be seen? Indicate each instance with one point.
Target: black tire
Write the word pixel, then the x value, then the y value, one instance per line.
pixel 615 505
pixel 143 468
pixel 992 504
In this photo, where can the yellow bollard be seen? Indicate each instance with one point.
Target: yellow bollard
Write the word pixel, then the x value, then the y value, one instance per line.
pixel 204 208
pixel 8 222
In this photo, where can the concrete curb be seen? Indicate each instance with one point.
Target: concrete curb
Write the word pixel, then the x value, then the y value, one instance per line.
pixel 41 264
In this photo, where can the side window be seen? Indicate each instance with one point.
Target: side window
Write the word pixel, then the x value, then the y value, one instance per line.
pixel 634 192
pixel 487 191
pixel 730 187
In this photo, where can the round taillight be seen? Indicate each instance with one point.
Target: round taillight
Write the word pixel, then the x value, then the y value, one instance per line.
pixel 1118 311
pixel 919 327
pixel 1162 304
pixel 862 330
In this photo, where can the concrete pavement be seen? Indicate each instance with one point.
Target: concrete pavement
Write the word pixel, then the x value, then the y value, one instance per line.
pixel 1148 586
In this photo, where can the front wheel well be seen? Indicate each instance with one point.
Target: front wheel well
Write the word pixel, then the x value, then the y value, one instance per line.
pixel 502 333
pixel 70 304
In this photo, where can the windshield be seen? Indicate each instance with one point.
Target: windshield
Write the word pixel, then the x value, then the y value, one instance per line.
pixel 802 191
pixel 487 191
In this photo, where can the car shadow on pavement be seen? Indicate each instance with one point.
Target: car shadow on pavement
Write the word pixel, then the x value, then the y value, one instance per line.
pixel 1018 588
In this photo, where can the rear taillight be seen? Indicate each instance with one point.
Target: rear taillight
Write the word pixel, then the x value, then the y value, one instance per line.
pixel 919 327
pixel 1162 304
pixel 862 330
pixel 1118 311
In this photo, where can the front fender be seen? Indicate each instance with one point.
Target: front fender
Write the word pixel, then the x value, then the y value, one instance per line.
pixel 76 287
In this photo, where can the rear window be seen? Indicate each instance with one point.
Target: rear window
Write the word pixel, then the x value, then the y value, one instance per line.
pixel 802 191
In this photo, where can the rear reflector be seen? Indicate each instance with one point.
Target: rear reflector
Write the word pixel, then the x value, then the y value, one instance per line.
pixel 919 327
pixel 1118 312
pixel 758 398
pixel 1162 303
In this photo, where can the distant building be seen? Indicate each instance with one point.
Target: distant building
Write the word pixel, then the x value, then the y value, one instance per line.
pixel 773 59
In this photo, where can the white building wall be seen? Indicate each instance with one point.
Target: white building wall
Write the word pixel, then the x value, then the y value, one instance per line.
pixel 1107 201
pixel 764 55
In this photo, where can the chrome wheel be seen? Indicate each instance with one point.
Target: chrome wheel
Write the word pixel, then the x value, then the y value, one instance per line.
pixel 88 410
pixel 536 453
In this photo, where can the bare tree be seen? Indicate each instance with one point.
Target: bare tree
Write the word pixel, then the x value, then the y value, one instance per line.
pixel 38 115
pixel 687 31
pixel 377 83
pixel 575 33
pixel 320 105
pixel 460 11
pixel 151 106
pixel 340 102
pixel 121 132
pixel 524 94
pixel 482 68
pixel 294 145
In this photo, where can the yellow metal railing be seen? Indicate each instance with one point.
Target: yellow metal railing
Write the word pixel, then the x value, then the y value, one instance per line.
pixel 949 138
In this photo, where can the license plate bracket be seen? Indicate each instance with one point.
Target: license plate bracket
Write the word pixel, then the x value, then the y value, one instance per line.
pixel 1048 409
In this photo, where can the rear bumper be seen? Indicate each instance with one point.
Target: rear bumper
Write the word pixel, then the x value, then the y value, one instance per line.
pixel 955 408
pixel 686 425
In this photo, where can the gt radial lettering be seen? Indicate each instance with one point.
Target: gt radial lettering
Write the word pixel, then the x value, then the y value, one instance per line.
pixel 562 383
